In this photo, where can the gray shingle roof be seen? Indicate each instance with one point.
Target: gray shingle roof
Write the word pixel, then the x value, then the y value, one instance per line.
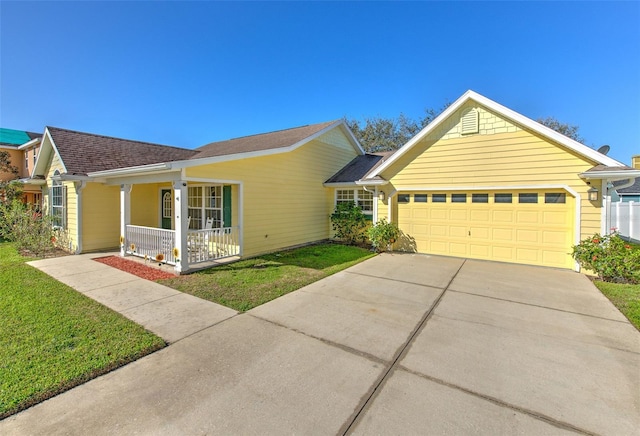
pixel 83 153
pixel 359 167
pixel 633 189
pixel 260 142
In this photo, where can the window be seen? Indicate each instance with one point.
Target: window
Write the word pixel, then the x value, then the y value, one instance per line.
pixel 439 198
pixel 204 202
pixel 403 198
pixel 555 198
pixel 58 200
pixel 528 198
pixel 364 199
pixel 35 156
pixel 458 198
pixel 26 160
pixel 479 198
pixel 420 198
pixel 503 198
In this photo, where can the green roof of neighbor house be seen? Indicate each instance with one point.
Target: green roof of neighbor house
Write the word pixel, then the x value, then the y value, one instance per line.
pixel 13 137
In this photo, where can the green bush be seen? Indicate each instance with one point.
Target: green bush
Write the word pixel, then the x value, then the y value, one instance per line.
pixel 609 256
pixel 383 234
pixel 27 227
pixel 349 223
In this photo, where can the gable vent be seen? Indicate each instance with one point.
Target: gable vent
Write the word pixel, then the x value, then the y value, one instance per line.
pixel 469 121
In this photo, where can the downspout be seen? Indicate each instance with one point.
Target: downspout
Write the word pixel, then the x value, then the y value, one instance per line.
pixel 79 187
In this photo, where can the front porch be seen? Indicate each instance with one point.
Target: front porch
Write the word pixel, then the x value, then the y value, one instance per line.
pixel 206 245
pixel 196 224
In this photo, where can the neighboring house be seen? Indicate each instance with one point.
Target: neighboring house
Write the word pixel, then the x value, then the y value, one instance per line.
pixel 23 151
pixel 240 197
pixel 484 182
pixel 481 181
pixel 626 190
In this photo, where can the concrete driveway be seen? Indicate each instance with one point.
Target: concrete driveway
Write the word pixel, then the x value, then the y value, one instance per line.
pixel 399 344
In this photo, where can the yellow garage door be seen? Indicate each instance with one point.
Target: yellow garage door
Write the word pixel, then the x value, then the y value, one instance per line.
pixel 529 227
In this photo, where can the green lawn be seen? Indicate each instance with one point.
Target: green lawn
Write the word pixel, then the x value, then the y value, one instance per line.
pixel 625 297
pixel 249 283
pixel 53 338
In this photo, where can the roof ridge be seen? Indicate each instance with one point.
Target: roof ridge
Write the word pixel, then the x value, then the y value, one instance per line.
pixel 274 131
pixel 119 139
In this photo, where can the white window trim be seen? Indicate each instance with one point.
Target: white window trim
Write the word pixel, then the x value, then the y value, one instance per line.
pixel 203 206
pixel 356 198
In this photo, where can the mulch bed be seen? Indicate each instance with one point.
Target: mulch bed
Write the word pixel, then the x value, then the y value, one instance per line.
pixel 136 268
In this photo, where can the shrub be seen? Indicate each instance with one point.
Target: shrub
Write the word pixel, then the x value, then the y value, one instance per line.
pixel 25 226
pixel 383 234
pixel 610 257
pixel 349 223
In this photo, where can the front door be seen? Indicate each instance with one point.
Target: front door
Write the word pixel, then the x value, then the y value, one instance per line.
pixel 166 208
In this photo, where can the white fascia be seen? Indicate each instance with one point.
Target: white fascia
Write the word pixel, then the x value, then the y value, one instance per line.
pixel 29 144
pixel 131 170
pixel 509 114
pixel 371 182
pixel 610 175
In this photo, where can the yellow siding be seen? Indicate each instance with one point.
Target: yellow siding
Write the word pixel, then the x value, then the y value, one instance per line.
pixel 145 205
pixel 515 158
pixel 100 217
pixel 72 215
pixel 284 202
pixel 635 162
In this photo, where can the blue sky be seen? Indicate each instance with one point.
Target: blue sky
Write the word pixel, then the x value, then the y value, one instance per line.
pixel 188 73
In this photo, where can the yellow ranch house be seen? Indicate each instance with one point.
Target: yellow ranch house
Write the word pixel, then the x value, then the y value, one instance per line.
pixel 481 181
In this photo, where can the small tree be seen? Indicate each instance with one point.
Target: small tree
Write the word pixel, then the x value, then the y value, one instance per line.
pixel 349 223
pixel 10 189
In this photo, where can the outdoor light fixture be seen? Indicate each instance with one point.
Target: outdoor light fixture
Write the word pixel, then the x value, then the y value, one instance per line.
pixel 593 194
pixel 381 195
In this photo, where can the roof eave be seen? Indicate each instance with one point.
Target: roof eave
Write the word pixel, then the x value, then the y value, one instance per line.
pixel 137 170
pixel 30 143
pixel 367 182
pixel 610 175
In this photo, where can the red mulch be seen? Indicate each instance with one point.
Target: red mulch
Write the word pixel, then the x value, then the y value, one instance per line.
pixel 136 268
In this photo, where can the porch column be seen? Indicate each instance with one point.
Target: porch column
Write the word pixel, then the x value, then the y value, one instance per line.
pixel 181 223
pixel 125 215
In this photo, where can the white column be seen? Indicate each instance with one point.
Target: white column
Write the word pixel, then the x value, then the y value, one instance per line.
pixel 125 214
pixel 181 221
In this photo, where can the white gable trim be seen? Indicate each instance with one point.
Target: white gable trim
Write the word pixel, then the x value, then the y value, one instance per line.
pixel 507 113
pixel 46 154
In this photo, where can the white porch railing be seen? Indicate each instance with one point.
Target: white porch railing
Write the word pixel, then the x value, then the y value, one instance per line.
pixel 150 242
pixel 211 244
pixel 625 217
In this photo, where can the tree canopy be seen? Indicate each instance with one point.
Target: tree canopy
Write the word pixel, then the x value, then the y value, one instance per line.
pixel 568 130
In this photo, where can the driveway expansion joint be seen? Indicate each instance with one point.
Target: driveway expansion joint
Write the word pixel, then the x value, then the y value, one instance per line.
pixel 394 280
pixel 541 307
pixel 353 420
pixel 346 348
pixel 536 415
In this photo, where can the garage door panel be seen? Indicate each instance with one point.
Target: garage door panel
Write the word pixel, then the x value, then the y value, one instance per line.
pixel 532 233
pixel 527 217
pixel 504 216
pixel 527 236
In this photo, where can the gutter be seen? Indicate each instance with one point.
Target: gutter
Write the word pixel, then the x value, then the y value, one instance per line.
pixel 610 175
pixel 131 170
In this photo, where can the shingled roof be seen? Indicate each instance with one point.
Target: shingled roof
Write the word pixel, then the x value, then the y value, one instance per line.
pixel 260 142
pixel 83 153
pixel 359 167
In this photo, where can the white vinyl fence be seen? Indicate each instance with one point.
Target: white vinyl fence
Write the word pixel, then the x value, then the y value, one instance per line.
pixel 625 217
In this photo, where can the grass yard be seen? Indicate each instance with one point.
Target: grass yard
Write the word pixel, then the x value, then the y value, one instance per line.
pixel 625 297
pixel 53 338
pixel 249 283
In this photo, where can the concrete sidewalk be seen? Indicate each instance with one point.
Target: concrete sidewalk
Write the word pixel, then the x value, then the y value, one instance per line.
pixel 399 344
pixel 168 313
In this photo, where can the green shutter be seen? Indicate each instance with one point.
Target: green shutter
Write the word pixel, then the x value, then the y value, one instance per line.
pixel 226 206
